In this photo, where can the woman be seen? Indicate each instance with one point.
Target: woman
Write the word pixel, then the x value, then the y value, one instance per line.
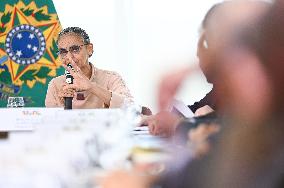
pixel 92 87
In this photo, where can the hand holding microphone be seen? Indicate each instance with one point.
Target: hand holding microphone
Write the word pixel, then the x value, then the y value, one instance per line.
pixel 77 81
pixel 80 81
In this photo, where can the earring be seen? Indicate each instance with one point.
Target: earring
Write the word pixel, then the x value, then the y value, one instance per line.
pixel 205 44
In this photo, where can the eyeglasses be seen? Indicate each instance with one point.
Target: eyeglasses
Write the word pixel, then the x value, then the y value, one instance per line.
pixel 74 49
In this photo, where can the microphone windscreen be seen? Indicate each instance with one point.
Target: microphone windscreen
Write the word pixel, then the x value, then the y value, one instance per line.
pixel 69 77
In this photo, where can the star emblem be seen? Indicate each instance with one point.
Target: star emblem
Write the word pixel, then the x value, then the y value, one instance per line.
pixel 32 36
pixel 19 36
pixel 34 48
pixel 19 53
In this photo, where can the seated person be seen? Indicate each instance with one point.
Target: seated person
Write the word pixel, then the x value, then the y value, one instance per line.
pixel 165 122
pixel 245 155
pixel 92 87
pixel 212 39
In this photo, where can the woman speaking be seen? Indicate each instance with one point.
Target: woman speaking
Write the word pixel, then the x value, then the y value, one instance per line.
pixel 91 87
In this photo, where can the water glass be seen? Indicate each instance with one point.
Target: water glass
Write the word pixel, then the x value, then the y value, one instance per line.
pixel 15 102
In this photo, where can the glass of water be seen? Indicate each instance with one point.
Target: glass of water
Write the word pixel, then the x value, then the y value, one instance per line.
pixel 15 102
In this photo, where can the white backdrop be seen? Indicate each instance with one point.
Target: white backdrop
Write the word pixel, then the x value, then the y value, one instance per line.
pixel 141 40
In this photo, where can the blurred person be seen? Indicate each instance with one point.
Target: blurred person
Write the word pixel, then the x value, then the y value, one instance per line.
pixel 268 45
pixel 92 87
pixel 256 153
pixel 217 168
pixel 214 36
pixel 251 153
pixel 165 122
pixel 249 150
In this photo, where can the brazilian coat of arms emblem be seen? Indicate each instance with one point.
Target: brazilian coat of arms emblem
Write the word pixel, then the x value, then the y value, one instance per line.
pixel 28 58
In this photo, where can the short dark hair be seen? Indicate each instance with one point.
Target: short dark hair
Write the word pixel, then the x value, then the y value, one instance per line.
pixel 209 13
pixel 76 30
pixel 217 6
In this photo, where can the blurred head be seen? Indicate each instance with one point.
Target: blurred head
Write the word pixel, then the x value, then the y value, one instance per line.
pixel 220 26
pixel 241 78
pixel 267 43
pixel 74 44
pixel 202 46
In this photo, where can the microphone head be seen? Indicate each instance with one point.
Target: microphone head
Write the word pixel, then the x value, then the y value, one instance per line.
pixel 69 77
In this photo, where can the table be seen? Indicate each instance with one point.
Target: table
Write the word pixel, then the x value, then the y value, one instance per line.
pixel 67 148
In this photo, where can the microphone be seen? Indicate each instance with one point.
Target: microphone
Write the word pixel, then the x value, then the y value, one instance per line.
pixel 69 80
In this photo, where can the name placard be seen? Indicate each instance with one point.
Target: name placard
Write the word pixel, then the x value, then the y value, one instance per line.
pixel 22 119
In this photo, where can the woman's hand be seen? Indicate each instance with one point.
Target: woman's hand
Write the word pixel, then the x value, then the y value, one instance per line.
pixel 80 82
pixel 65 92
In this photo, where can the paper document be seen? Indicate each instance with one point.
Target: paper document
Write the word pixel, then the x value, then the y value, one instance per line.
pixel 182 108
pixel 143 130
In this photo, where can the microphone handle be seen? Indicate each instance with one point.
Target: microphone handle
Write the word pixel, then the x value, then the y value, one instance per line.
pixel 68 103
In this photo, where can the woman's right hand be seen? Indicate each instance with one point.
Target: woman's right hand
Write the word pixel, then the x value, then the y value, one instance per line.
pixel 65 92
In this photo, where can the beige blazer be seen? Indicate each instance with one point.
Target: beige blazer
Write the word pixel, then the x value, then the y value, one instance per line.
pixel 109 80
